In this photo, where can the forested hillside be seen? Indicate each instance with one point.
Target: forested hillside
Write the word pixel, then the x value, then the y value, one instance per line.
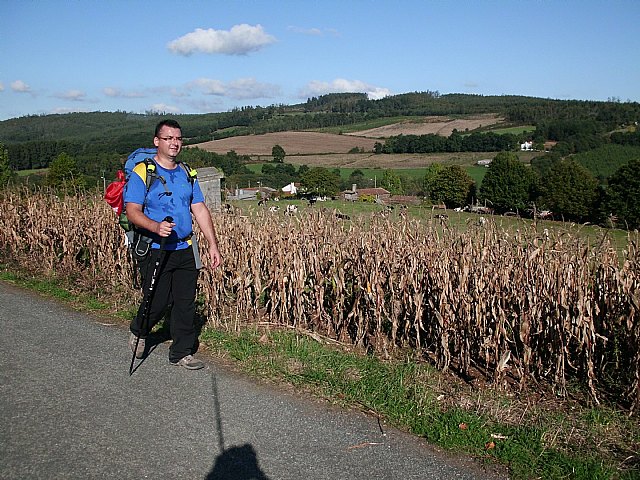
pixel 595 145
pixel 121 131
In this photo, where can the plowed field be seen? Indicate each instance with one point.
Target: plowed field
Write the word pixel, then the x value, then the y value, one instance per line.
pixel 308 143
pixel 436 125
pixel 294 143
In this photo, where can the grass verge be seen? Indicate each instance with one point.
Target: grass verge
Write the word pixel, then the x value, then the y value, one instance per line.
pixel 533 437
pixel 412 395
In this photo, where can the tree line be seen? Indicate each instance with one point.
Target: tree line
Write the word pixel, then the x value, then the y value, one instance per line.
pixel 564 189
pixel 121 132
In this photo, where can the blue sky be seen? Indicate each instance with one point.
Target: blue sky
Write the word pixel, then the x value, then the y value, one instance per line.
pixel 212 56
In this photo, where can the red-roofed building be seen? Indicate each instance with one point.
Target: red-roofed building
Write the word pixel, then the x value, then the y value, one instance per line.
pixel 379 194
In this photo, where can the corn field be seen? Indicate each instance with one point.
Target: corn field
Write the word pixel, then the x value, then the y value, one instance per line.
pixel 519 308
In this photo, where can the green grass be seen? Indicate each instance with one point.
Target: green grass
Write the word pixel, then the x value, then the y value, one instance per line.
pixel 476 172
pixel 52 288
pixel 515 130
pixel 255 167
pixel 34 171
pixel 404 394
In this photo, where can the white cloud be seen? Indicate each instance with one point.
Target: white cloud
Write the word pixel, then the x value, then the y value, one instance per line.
pixel 20 87
pixel 305 31
pixel 164 108
pixel 208 86
pixel 246 88
pixel 341 85
pixel 376 93
pixel 240 89
pixel 313 31
pixel 73 95
pixel 63 110
pixel 204 106
pixel 1 87
pixel 117 93
pixel 240 40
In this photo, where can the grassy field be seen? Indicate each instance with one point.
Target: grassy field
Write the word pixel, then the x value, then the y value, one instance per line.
pixel 477 173
pixel 460 220
pixel 37 171
pixel 515 130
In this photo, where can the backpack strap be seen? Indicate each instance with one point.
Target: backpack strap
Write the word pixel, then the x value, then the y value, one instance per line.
pixel 147 171
pixel 192 173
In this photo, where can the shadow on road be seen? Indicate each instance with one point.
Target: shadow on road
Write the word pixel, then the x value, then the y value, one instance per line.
pixel 237 463
pixel 234 463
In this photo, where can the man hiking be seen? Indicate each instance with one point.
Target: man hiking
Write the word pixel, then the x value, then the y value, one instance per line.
pixel 163 213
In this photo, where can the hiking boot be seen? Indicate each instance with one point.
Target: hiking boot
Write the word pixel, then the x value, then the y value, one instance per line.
pixel 132 344
pixel 188 362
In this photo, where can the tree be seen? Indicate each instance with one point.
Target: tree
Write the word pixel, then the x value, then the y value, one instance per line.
pixel 64 171
pixel 278 153
pixel 452 186
pixel 429 177
pixel 570 190
pixel 542 164
pixel 321 181
pixel 623 192
pixel 356 177
pixel 6 173
pixel 392 182
pixel 509 185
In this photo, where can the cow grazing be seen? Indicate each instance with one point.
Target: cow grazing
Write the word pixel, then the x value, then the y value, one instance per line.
pixel 291 210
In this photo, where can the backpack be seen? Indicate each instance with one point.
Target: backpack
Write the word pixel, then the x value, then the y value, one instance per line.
pixel 114 193
pixel 137 242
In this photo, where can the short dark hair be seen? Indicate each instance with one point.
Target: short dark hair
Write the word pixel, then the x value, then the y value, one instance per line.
pixel 167 123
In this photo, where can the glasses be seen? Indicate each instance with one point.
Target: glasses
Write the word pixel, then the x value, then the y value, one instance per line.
pixel 171 139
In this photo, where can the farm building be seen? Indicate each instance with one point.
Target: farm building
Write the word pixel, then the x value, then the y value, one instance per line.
pixel 251 193
pixel 291 189
pixel 210 179
pixel 378 194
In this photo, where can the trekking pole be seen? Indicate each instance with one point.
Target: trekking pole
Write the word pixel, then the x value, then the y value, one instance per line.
pixel 149 294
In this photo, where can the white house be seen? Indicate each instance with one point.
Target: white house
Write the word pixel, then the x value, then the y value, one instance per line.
pixel 526 146
pixel 290 189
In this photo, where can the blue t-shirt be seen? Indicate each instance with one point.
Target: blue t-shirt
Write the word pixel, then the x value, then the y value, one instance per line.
pixel 173 199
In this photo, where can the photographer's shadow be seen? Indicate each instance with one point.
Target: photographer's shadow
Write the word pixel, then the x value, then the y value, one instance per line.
pixel 237 463
pixel 233 463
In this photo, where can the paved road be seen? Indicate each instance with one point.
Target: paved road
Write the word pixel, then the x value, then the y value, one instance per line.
pixel 70 410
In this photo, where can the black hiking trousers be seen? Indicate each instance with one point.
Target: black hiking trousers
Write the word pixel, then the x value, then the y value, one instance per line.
pixel 177 280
